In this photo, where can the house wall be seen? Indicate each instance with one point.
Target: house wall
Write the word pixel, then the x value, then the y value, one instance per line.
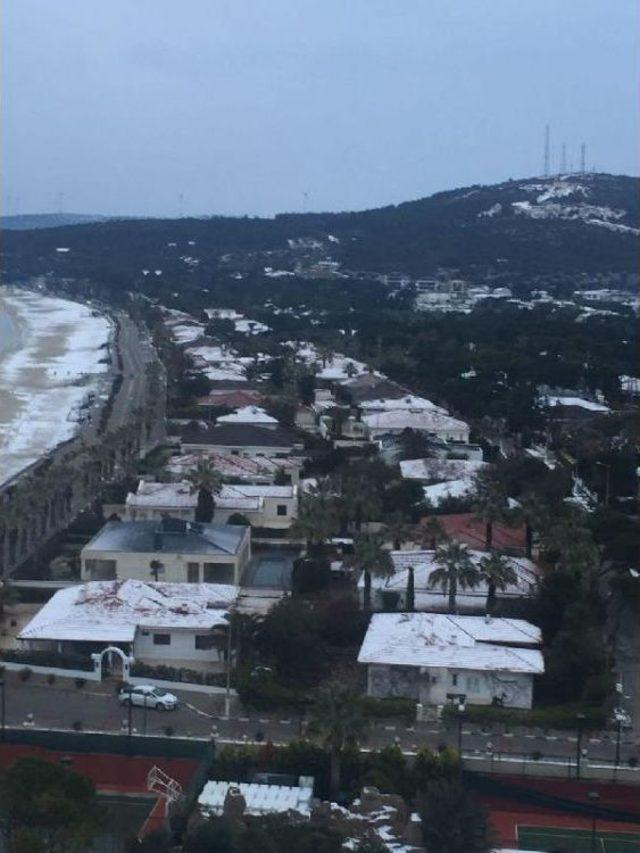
pixel 157 513
pixel 175 566
pixel 182 647
pixel 248 451
pixel 431 686
pixel 434 600
pixel 267 516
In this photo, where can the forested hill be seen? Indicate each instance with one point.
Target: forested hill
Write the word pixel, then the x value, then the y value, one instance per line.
pixel 576 223
pixel 29 221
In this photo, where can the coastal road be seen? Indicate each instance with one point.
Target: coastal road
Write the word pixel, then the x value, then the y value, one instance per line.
pixel 95 707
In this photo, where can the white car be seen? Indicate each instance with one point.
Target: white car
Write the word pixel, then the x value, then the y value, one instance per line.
pixel 146 695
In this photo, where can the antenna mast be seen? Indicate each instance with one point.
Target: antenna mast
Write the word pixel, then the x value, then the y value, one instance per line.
pixel 583 158
pixel 563 158
pixel 546 150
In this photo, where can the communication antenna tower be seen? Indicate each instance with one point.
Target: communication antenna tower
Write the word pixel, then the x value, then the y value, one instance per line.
pixel 546 150
pixel 583 158
pixel 181 205
pixel 563 158
pixel 305 201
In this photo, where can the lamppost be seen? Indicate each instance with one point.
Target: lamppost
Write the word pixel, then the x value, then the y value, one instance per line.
pixel 594 796
pixel 461 707
pixel 3 709
pixel 227 696
pixel 580 718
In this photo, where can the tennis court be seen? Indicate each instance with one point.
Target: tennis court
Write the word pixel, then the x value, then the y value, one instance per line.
pixel 564 840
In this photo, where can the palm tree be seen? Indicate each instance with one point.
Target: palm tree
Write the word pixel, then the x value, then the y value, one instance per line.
pixel 498 574
pixel 361 501
pixel 410 598
pixel 370 557
pixel 206 481
pixel 337 719
pixel 490 505
pixel 535 514
pixel 398 528
pixel 431 533
pixel 456 570
pixel 317 519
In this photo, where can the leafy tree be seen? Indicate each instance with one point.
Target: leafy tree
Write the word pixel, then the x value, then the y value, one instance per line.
pixel 317 517
pixel 452 821
pixel 337 719
pixel 206 481
pixel 155 567
pixel 498 573
pixel 310 575
pixel 289 637
pixel 370 557
pixel 51 805
pixel 217 834
pixel 398 528
pixel 455 570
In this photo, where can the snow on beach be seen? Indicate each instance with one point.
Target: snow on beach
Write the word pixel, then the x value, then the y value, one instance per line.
pixel 57 354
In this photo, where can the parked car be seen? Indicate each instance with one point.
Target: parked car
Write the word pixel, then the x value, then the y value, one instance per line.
pixel 146 695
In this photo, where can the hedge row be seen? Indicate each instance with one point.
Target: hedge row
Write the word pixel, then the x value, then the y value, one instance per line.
pixel 174 673
pixel 47 658
pixel 560 717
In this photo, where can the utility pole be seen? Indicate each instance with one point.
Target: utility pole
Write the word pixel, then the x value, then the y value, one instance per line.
pixel 563 158
pixel 583 158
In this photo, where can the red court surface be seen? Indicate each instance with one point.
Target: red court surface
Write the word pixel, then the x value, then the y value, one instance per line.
pixel 109 773
pixel 507 813
pixel 471 531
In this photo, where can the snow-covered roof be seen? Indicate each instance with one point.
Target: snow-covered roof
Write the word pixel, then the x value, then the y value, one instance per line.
pixel 579 402
pixel 170 495
pixel 457 642
pixel 630 384
pixel 260 799
pixel 426 421
pixel 111 611
pixel 439 492
pixel 339 367
pixel 248 497
pixel 440 470
pixel 248 415
pixel 236 467
pixel 187 332
pixel 408 403
pixel 424 563
pixel 169 536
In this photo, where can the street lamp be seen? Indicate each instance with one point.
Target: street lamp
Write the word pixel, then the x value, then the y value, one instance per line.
pixel 461 707
pixel 580 718
pixel 594 796
pixel 3 709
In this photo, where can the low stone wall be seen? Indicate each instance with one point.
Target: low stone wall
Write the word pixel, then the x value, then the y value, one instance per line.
pixel 211 689
pixel 11 666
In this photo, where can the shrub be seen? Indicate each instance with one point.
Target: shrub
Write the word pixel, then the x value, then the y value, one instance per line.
pixel 169 731
pixel 238 518
pixel 80 682
pixel 25 674
pixel 51 679
pixel 77 725
pixel 264 693
pixel 551 717
pixel 310 575
pixel 391 707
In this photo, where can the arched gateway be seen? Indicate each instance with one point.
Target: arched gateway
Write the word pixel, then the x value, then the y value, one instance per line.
pixel 110 651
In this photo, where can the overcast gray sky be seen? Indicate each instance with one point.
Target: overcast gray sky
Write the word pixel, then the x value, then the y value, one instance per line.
pixel 243 106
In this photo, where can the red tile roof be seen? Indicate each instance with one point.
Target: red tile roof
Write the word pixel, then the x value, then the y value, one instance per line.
pixel 470 530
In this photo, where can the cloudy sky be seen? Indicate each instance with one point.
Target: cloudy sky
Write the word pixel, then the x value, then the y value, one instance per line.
pixel 259 106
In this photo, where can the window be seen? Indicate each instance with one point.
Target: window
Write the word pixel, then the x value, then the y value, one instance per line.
pixel 193 572
pixel 162 639
pixel 218 573
pixel 100 570
pixel 204 642
pixel 281 509
pixel 473 683
pixel 454 679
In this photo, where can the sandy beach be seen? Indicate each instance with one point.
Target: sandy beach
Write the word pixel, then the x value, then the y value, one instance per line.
pixel 53 353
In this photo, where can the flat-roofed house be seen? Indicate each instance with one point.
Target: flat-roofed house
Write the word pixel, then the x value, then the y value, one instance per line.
pixel 170 550
pixel 438 659
pixel 241 440
pixel 270 506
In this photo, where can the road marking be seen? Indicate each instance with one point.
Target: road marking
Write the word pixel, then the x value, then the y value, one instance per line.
pixel 199 712
pixel 433 731
pixel 264 722
pixel 410 729
pixel 508 734
pixel 595 740
pixel 244 719
pixel 551 737
pixel 285 722
pixel 531 737
pixel 390 728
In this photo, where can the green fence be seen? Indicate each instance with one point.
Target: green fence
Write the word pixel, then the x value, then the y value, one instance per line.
pixel 116 744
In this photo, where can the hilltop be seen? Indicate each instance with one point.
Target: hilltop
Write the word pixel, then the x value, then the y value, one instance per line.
pixel 30 221
pixel 559 225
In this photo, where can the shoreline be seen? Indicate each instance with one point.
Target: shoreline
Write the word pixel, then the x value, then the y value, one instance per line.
pixel 56 364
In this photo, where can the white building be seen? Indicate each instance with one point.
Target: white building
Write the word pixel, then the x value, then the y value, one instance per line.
pixel 153 501
pixel 259 469
pixel 258 799
pixel 384 591
pixel 409 403
pixel 437 659
pixel 263 506
pixel 176 551
pixel 421 420
pixel 169 622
